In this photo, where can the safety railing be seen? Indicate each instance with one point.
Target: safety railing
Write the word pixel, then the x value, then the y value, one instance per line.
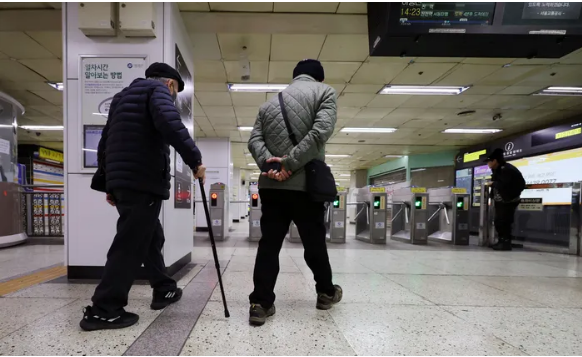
pixel 43 211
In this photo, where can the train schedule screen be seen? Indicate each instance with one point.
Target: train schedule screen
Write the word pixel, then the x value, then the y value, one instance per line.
pixel 446 13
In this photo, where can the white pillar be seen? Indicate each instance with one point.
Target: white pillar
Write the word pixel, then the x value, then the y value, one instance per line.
pixel 216 158
pixel 90 221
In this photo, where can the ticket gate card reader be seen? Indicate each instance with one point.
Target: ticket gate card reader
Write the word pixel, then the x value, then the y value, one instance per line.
pixel 371 215
pixel 409 222
pixel 255 215
pixel 218 211
pixel 449 215
pixel 336 218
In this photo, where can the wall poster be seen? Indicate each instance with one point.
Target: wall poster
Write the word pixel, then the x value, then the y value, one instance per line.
pixel 102 78
pixel 183 174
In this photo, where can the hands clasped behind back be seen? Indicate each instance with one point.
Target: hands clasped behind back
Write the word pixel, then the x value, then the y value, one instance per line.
pixel 281 175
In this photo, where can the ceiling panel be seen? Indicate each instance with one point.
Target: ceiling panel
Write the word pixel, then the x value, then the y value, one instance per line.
pixel 388 101
pixel 422 101
pixel 373 113
pixel 210 87
pixel 523 90
pixel 51 40
pixel 209 71
pixel 347 112
pixel 422 73
pixel 259 71
pixel 377 73
pixel 467 74
pixel 213 112
pixel 352 8
pixel 51 69
pixel 242 6
pixel 53 96
pixel 555 75
pixel 339 72
pixel 281 72
pixel 306 7
pixel 354 99
pixel 21 46
pixel 16 72
pixel 213 98
pixel 194 6
pixel 345 48
pixel 482 89
pixel 459 101
pixel 205 46
pixel 246 112
pixel 363 88
pixel 286 47
pixel 232 46
pixel 507 76
pixel 248 99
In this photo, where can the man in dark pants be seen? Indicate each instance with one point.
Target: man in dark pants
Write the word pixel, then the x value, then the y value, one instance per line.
pixel 134 171
pixel 507 183
pixel 312 113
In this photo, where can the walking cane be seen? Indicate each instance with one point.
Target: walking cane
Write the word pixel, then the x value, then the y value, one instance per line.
pixel 213 243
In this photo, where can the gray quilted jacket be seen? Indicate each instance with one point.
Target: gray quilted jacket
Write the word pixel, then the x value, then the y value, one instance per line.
pixel 312 112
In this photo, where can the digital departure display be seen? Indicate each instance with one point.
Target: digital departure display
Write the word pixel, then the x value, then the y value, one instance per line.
pixel 542 13
pixel 446 13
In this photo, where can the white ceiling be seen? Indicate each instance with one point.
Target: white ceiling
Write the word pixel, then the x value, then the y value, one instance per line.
pixel 334 33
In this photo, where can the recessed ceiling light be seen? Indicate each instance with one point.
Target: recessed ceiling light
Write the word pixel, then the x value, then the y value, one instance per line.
pixel 345 175
pixel 393 156
pixel 328 165
pixel 252 164
pixel 337 155
pixel 561 91
pixel 56 85
pixel 248 154
pixel 42 127
pixel 368 130
pixel 423 90
pixel 256 87
pixel 245 128
pixel 416 170
pixel 471 131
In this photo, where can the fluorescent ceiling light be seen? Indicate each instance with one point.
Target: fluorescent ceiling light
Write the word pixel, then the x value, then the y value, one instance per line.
pixel 561 91
pixel 245 128
pixel 472 131
pixel 393 156
pixel 423 90
pixel 248 154
pixel 251 164
pixel 42 127
pixel 337 156
pixel 56 85
pixel 368 130
pixel 416 170
pixel 339 179
pixel 345 175
pixel 328 165
pixel 256 87
pixel 89 150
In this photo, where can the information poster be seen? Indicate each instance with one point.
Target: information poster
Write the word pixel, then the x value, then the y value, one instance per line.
pixel 91 138
pixel 464 178
pixel 183 174
pixel 480 176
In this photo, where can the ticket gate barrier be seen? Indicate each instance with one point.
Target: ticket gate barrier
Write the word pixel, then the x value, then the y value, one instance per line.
pixel 293 236
pixel 487 233
pixel 448 220
pixel 409 223
pixel 371 215
pixel 255 215
pixel 336 218
pixel 219 211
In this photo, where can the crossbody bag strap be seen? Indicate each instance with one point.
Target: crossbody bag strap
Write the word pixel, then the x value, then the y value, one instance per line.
pixel 286 119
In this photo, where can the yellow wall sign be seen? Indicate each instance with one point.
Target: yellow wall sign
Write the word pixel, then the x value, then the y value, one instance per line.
pixel 340 189
pixel 458 190
pixel 568 133
pixel 377 189
pixel 473 156
pixel 418 190
pixel 48 154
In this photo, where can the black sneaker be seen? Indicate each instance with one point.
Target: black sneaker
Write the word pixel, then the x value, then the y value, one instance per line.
pixel 92 322
pixel 161 300
pixel 502 246
pixel 326 302
pixel 258 315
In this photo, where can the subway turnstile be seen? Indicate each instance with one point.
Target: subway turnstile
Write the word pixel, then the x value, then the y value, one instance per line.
pixel 255 215
pixel 409 215
pixel 219 211
pixel 336 218
pixel 448 219
pixel 371 215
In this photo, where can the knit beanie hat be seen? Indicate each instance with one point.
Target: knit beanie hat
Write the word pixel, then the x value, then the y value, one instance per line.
pixel 311 68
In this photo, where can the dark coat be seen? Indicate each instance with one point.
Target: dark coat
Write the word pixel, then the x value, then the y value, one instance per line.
pixel 508 181
pixel 134 151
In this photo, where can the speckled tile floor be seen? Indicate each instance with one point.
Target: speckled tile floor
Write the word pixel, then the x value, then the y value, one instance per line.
pixel 397 301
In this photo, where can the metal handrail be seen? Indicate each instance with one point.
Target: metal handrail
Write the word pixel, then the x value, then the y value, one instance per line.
pixel 367 208
pixel 397 214
pixel 436 212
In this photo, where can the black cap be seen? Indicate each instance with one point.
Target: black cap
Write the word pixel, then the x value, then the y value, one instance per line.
pixel 497 154
pixel 162 70
pixel 311 68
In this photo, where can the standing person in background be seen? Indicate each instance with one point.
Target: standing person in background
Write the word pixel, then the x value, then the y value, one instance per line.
pixel 507 183
pixel 134 171
pixel 312 113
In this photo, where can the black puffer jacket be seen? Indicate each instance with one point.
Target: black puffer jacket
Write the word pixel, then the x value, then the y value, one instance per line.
pixel 133 150
pixel 508 182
